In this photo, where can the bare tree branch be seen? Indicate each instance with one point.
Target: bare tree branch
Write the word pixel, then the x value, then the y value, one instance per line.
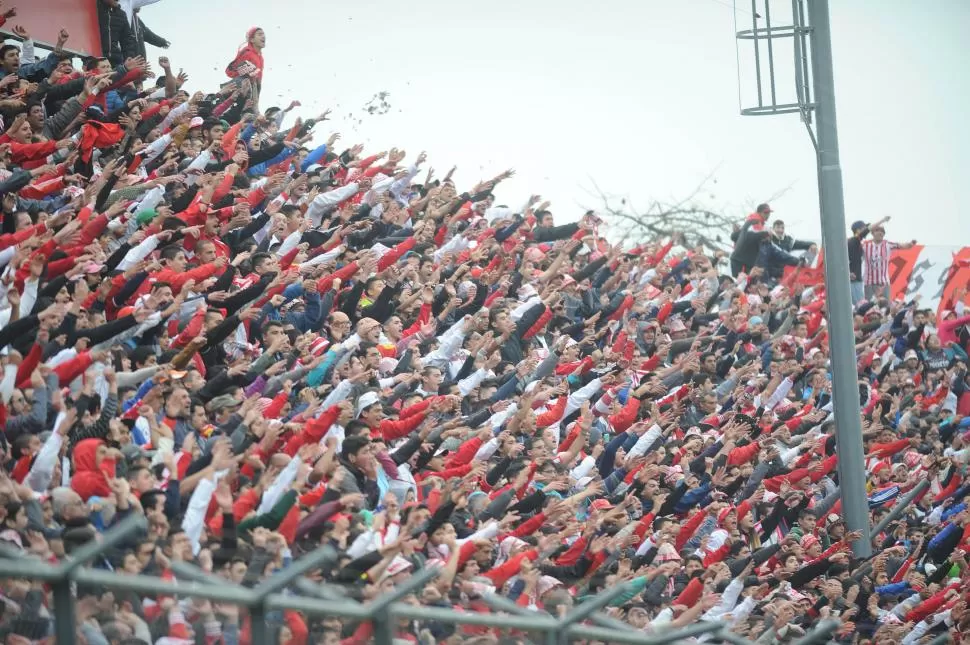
pixel 698 223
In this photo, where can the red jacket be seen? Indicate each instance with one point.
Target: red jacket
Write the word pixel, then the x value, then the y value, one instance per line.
pixel 248 54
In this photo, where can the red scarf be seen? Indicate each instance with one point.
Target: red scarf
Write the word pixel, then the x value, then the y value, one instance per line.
pixel 95 134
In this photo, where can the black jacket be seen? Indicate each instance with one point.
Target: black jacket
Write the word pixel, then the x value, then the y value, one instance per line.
pixel 747 245
pixel 513 350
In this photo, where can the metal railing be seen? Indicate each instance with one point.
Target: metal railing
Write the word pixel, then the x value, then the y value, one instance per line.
pixel 6 34
pixel 582 622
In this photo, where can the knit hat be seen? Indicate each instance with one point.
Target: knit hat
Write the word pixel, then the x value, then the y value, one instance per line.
pixel 912 458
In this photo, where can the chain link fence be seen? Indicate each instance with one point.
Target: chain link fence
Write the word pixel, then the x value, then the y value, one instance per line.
pixel 290 589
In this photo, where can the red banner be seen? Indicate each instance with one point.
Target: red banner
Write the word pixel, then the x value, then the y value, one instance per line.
pixel 43 19
pixel 959 276
pixel 931 273
pixel 901 268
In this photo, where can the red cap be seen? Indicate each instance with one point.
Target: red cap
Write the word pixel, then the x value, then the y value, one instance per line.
pixel 600 505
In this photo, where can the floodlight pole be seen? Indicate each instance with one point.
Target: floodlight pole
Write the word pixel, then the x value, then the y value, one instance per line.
pixel 845 388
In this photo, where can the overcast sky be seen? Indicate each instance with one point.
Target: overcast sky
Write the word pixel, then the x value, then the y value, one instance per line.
pixel 640 96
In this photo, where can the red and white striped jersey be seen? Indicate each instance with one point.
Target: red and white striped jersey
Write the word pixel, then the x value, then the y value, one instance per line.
pixel 877 256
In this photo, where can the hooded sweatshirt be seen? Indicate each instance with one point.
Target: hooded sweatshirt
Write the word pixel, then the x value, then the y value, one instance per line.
pixel 89 479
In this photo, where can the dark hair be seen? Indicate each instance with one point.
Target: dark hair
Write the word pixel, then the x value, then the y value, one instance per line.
pixel 494 313
pixel 271 324
pixel 172 224
pixel 357 427
pixel 700 379
pixel 7 48
pixel 161 285
pixel 92 63
pixel 258 259
pixel 12 509
pixel 353 445
pixel 170 251
pixel 149 498
pixel 370 281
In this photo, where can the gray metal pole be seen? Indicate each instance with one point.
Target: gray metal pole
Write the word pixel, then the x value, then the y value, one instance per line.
pixel 820 634
pixel 382 617
pixel 661 637
pixel 900 506
pixel 585 610
pixel 501 603
pixel 65 631
pixel 189 571
pixel 279 580
pixel 118 533
pixel 845 388
pixel 322 590
pixel 537 622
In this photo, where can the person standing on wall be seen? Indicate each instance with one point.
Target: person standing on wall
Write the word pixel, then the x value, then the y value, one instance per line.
pixel 860 230
pixel 747 245
pixel 115 19
pixel 877 253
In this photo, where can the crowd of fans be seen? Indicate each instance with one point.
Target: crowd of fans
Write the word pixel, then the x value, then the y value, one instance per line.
pixel 266 345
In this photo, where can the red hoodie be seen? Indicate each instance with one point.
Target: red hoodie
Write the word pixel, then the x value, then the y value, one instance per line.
pixel 91 479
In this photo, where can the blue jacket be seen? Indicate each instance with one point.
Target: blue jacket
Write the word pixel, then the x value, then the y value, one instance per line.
pixel 940 537
pixel 893 589
pixel 28 70
pixel 774 259
pixel 692 497
pixel 314 157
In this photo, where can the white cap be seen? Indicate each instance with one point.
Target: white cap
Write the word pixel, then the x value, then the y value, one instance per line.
pixel 366 400
pixel 498 212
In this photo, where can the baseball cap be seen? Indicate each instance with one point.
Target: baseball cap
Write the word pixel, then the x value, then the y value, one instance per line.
pixel 600 505
pixel 398 565
pixel 366 400
pixel 133 452
pixel 222 401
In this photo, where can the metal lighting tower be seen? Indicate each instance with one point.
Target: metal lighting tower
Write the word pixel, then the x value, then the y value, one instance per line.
pixel 814 94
